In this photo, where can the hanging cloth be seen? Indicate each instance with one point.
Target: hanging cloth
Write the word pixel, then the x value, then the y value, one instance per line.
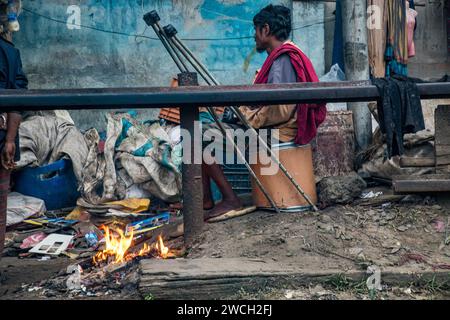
pixel 397 38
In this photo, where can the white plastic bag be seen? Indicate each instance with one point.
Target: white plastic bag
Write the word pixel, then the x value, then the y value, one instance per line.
pixel 334 75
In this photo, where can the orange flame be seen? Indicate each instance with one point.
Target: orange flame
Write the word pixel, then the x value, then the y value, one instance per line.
pixel 162 249
pixel 117 246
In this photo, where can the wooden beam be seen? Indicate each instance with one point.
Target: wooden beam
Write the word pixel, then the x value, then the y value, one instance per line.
pixel 442 139
pixel 208 278
pixel 419 184
pixel 417 162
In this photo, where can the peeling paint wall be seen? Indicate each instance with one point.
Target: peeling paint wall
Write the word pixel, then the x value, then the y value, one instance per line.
pixel 56 57
pixel 309 31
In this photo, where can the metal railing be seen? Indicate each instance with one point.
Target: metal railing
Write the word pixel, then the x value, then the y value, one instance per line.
pixel 190 98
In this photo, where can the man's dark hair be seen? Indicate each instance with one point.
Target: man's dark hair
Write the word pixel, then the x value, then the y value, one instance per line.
pixel 278 18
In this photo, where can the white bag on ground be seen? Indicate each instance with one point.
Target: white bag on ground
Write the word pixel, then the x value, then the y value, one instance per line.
pixel 22 207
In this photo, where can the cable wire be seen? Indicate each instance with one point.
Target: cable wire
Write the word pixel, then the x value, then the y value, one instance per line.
pixel 143 36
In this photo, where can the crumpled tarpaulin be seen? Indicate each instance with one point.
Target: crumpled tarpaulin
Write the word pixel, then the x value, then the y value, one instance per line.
pixel 135 154
pixel 46 139
pixel 22 207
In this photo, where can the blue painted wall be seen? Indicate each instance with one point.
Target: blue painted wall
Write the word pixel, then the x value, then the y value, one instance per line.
pixel 56 57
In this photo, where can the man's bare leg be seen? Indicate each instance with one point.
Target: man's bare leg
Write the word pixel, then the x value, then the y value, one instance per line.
pixel 208 201
pixel 230 201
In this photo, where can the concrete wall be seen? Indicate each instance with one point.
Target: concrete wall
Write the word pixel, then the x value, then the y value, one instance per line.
pixel 309 31
pixel 432 57
pixel 56 57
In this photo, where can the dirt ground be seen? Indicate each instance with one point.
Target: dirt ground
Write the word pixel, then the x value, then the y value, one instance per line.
pixel 415 231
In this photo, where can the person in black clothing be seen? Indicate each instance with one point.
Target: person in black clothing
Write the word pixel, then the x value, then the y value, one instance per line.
pixel 11 77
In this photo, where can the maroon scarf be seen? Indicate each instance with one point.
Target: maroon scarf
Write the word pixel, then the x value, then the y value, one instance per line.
pixel 309 116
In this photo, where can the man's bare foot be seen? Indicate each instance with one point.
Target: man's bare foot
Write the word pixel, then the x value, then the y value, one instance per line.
pixel 224 207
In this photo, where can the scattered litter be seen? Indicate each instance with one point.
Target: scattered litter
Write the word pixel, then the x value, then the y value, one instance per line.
pixel 370 195
pixel 91 239
pixel 386 205
pixel 396 248
pixel 52 223
pixel 73 282
pixel 45 258
pixel 32 240
pixel 447 241
pixel 54 244
pixel 403 228
pixel 148 224
pixel 438 225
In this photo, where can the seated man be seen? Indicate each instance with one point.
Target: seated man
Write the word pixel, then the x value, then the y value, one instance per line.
pixel 286 63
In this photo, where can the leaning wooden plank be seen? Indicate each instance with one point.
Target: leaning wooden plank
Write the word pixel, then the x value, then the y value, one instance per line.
pixel 379 200
pixel 221 278
pixel 417 162
pixel 424 183
pixel 442 125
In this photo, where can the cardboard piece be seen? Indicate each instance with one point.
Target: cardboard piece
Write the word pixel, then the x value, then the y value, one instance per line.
pixel 53 245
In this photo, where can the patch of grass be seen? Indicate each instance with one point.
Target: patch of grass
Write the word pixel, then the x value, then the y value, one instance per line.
pixel 149 297
pixel 341 283
pixel 435 286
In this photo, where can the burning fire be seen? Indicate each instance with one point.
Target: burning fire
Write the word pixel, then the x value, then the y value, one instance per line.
pixel 162 249
pixel 117 245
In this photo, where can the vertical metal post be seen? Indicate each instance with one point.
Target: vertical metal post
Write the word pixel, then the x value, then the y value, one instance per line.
pixel 356 58
pixel 192 173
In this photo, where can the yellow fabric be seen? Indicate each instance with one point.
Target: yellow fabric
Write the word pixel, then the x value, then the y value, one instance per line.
pixel 132 205
pixel 75 214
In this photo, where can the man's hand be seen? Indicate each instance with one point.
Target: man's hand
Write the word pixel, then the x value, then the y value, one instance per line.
pixel 7 156
pixel 9 151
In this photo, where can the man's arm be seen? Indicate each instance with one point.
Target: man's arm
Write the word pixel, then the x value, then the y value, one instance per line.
pixel 9 150
pixel 269 115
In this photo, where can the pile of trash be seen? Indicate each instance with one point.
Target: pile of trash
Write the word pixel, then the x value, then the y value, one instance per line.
pixel 124 181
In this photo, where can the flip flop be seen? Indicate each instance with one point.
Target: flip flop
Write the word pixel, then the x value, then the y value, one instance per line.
pixel 232 214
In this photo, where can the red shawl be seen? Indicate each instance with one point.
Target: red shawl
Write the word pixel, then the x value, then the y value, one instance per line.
pixel 309 116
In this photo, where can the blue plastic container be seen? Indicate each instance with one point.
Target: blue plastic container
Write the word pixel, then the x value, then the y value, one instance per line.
pixel 239 178
pixel 55 183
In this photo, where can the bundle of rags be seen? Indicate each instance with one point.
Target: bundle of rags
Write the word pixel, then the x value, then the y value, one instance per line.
pixel 46 139
pixel 135 154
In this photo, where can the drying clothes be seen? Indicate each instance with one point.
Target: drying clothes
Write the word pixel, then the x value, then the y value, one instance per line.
pixel 411 21
pixel 377 41
pixel 400 111
pixel 397 38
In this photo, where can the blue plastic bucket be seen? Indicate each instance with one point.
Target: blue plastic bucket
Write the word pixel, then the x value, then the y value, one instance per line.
pixel 55 183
